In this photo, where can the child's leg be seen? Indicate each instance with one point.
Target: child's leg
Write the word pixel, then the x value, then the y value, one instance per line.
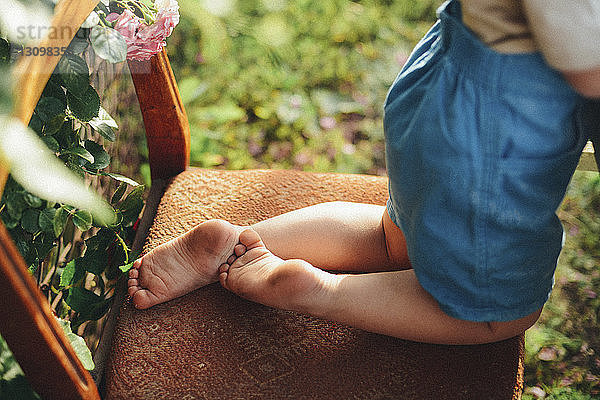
pixel 339 236
pixel 391 303
pixel 336 236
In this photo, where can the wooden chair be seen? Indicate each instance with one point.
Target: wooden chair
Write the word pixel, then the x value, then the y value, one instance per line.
pixel 211 344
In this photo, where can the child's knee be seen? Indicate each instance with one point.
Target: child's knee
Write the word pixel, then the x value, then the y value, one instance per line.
pixel 395 243
pixel 508 329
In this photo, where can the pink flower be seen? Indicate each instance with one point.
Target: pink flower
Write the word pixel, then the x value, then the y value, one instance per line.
pixel 161 28
pixel 144 41
pixel 143 51
pixel 127 24
pixel 112 17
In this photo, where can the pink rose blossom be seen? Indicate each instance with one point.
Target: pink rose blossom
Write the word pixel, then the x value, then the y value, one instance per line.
pixel 112 17
pixel 127 24
pixel 143 40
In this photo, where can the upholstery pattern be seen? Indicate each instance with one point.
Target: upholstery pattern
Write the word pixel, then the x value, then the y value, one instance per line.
pixel 211 344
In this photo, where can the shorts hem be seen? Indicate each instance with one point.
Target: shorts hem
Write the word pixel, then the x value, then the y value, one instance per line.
pixel 485 315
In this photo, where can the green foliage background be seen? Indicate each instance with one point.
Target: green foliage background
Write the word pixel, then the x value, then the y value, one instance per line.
pixel 293 84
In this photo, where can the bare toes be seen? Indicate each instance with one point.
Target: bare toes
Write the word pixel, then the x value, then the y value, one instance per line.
pixel 239 249
pixel 143 299
pixel 131 290
pixel 223 279
pixel 134 273
pixel 223 268
pixel 250 239
pixel 231 259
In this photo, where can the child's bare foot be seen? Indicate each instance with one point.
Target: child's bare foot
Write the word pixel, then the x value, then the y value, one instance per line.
pixel 256 274
pixel 183 264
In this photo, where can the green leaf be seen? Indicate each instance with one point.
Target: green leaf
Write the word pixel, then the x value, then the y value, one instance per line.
pixel 78 344
pixel 30 219
pixel 84 105
pixel 104 118
pixel 91 21
pixel 82 351
pixel 40 172
pixel 42 246
pixel 108 44
pixel 106 132
pixel 54 89
pixel 32 201
pixel 15 204
pixel 51 143
pixel 73 272
pixel 25 248
pixel 36 124
pixel 125 268
pixel 67 137
pixel 118 193
pixel 49 108
pixel 89 305
pixel 132 206
pixel 105 125
pixel 9 221
pixel 122 178
pixel 133 197
pixel 101 157
pixel 79 44
pixel 93 261
pixel 17 388
pixel 60 221
pixel 73 164
pixel 66 278
pixel 74 72
pixel 83 220
pixel 46 220
pixel 81 152
pixel 100 241
pixel 54 124
pixel 80 299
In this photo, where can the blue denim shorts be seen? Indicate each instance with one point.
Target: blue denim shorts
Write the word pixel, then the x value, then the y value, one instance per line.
pixel 480 147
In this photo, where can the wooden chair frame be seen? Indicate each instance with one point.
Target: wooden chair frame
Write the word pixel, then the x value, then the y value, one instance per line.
pixel 26 320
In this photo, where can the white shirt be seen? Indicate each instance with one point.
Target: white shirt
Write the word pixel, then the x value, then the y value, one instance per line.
pixel 567 32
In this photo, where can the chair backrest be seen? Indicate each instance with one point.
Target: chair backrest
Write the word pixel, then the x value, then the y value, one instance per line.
pixel 165 120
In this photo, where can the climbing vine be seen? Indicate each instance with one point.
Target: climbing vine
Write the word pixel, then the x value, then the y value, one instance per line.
pixel 76 255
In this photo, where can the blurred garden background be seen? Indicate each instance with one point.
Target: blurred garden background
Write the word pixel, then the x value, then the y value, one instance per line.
pixel 300 85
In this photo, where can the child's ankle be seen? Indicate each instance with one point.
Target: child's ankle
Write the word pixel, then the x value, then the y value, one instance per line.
pixel 324 301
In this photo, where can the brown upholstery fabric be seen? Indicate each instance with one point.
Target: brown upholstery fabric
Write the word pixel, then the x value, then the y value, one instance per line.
pixel 212 344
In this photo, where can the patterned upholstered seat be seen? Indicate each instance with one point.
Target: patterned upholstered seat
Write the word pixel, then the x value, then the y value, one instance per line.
pixel 212 344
